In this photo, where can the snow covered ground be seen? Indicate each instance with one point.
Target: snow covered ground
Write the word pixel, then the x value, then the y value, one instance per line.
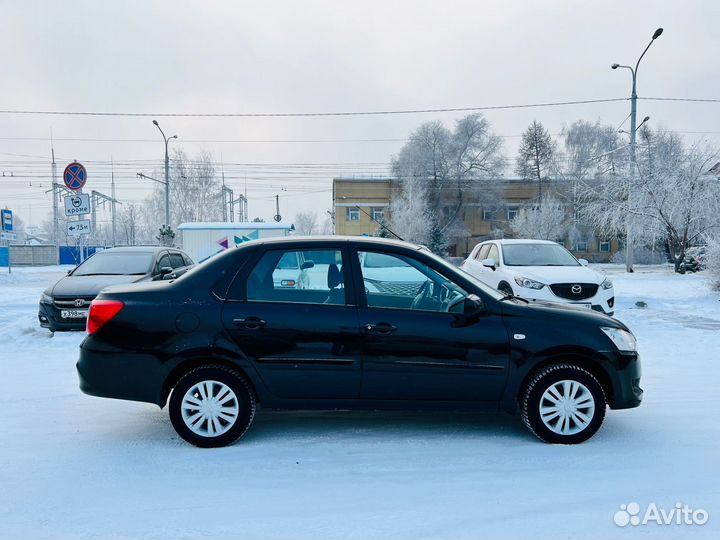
pixel 77 466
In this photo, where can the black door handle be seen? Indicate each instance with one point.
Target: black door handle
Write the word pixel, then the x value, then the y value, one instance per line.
pixel 380 328
pixel 251 323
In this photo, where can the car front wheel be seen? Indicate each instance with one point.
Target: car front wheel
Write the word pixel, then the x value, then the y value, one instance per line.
pixel 211 406
pixel 563 404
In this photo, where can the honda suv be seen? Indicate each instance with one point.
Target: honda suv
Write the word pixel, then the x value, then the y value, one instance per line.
pixel 227 337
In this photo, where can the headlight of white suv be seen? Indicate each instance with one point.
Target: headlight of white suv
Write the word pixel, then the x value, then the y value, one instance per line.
pixel 607 284
pixel 623 340
pixel 529 283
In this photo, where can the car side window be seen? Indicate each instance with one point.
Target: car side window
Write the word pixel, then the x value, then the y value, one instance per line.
pixel 188 260
pixel 493 254
pixel 163 262
pixel 482 253
pixel 176 260
pixel 301 276
pixel 400 282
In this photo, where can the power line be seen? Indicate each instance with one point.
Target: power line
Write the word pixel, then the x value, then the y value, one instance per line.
pixel 313 114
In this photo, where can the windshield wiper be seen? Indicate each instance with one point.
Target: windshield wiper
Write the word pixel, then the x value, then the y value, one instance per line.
pixel 513 297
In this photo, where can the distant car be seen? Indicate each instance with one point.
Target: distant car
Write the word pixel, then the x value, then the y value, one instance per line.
pixel 64 305
pixel 225 337
pixel 540 270
pixel 694 260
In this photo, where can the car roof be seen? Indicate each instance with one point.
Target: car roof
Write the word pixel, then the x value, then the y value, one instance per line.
pixel 320 239
pixel 507 241
pixel 138 249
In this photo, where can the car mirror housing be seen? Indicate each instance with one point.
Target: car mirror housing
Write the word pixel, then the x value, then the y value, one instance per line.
pixel 166 270
pixel 306 265
pixel 489 263
pixel 583 262
pixel 473 305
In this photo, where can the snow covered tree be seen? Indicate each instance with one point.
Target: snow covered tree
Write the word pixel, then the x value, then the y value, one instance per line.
pixel 546 220
pixel 671 197
pixel 412 218
pixel 306 223
pixel 444 165
pixel 535 155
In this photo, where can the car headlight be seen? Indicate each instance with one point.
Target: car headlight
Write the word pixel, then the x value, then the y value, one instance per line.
pixel 607 284
pixel 46 298
pixel 623 340
pixel 529 283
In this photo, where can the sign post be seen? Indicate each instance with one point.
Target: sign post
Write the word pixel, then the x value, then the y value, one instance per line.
pixel 77 205
pixel 6 226
pixel 75 177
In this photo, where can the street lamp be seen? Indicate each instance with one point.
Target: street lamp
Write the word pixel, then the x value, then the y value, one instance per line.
pixel 167 172
pixel 633 129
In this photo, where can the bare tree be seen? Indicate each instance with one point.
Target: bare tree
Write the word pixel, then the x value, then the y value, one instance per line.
pixel 535 154
pixel 411 214
pixel 131 223
pixel 445 165
pixel 306 223
pixel 547 220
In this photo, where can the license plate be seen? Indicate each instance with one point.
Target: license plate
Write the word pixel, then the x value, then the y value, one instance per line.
pixel 589 306
pixel 74 313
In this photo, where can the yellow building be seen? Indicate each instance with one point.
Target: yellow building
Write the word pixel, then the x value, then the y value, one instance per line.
pixel 361 202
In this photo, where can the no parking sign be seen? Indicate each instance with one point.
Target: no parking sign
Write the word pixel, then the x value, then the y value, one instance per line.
pixel 75 176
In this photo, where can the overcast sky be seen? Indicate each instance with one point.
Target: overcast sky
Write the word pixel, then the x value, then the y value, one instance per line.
pixel 303 56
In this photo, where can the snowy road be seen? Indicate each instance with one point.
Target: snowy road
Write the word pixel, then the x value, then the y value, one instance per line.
pixel 76 466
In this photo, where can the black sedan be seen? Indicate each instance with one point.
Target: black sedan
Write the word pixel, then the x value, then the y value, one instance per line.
pixel 64 305
pixel 233 333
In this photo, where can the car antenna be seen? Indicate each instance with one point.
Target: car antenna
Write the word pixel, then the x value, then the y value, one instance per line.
pixel 381 224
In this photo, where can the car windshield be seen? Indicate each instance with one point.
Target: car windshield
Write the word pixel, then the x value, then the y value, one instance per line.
pixel 494 293
pixel 537 255
pixel 115 263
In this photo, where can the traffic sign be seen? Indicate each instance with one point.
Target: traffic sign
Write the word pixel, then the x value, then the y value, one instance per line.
pixel 7 219
pixel 77 205
pixel 8 236
pixel 78 228
pixel 75 176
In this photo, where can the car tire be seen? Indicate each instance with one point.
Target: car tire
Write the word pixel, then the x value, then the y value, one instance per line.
pixel 572 400
pixel 212 406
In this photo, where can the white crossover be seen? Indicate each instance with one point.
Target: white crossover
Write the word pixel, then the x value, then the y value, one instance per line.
pixel 540 270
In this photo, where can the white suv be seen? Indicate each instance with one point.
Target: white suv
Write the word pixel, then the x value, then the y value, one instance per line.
pixel 540 270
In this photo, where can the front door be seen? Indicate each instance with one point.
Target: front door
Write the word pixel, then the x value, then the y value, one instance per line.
pixel 295 324
pixel 413 347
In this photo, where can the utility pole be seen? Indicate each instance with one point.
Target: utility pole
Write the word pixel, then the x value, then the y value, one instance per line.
pixel 629 252
pixel 55 194
pixel 99 199
pixel 112 204
pixel 167 172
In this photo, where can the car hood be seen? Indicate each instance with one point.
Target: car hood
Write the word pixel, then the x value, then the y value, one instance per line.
pixel 89 285
pixel 558 274
pixel 561 311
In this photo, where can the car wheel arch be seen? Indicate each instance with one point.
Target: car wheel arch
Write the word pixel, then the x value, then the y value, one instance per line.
pixel 189 363
pixel 504 284
pixel 588 364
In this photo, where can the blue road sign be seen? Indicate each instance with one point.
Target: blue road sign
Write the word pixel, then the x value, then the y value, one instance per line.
pixel 7 220
pixel 75 176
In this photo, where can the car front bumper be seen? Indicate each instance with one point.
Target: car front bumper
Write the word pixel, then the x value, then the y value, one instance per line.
pixel 603 301
pixel 49 316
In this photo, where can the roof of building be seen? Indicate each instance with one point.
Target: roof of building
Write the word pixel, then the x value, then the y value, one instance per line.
pixel 215 225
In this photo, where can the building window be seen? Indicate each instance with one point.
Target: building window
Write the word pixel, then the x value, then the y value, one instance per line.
pixel 353 214
pixel 512 212
pixel 378 214
pixel 604 246
pixel 581 245
pixel 488 215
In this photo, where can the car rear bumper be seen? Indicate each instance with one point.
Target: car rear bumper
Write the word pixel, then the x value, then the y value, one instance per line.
pixel 119 375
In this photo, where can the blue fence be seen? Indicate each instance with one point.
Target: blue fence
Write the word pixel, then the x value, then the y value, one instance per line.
pixel 71 254
pixel 4 256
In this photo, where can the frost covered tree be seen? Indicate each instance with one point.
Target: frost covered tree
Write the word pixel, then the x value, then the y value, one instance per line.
pixel 535 155
pixel 672 197
pixel 444 165
pixel 546 220
pixel 306 223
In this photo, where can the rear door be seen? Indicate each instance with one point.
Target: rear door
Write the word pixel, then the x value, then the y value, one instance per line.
pixel 301 334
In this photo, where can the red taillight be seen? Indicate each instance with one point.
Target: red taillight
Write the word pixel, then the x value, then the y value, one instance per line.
pixel 101 311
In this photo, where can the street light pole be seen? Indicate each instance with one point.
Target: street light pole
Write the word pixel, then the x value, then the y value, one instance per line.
pixel 167 172
pixel 633 132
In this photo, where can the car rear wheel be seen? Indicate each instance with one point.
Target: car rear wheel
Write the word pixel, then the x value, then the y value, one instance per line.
pixel 563 404
pixel 212 406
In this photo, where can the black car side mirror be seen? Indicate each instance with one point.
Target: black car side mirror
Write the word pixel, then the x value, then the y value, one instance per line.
pixel 306 265
pixel 473 305
pixel 166 270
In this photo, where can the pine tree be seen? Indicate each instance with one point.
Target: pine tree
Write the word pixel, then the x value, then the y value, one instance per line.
pixel 535 154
